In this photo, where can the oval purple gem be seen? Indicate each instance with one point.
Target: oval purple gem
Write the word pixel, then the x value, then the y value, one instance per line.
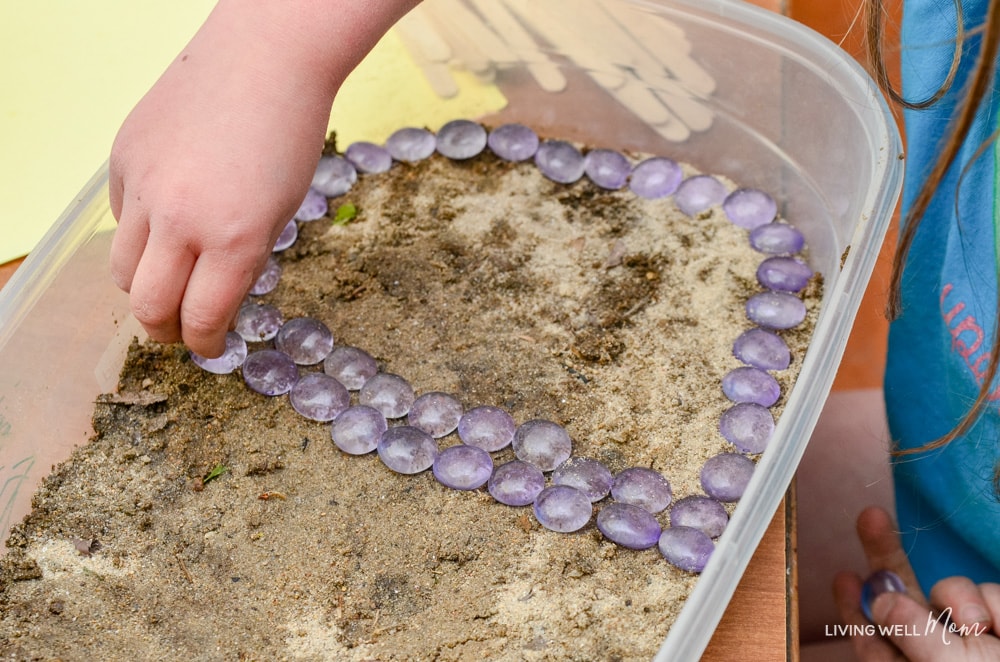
pixel 629 526
pixel 747 426
pixel 749 208
pixel 762 349
pixel 411 144
pixel 463 467
pixel 319 397
pixel 513 142
pixel 656 177
pixel 749 384
pixel 607 168
pixel 776 310
pixel 686 548
pixel 270 372
pixel 516 483
pixel 560 161
pixel 407 450
pixel 357 429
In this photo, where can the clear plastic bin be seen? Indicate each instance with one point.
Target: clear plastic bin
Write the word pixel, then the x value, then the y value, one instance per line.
pixel 765 101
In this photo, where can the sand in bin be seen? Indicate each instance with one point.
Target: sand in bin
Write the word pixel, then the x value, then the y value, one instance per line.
pixel 612 315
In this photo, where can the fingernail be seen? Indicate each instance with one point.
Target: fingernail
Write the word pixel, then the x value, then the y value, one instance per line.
pixel 973 613
pixel 879 582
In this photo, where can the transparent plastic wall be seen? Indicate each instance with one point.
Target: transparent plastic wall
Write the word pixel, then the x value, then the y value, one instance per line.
pixel 729 88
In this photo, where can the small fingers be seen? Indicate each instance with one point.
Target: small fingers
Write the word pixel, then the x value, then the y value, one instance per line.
pixel 880 541
pixel 127 246
pixel 158 287
pixel 217 287
pixel 847 595
pixel 960 600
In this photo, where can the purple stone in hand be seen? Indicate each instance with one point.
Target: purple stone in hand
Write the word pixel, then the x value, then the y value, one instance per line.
pixel 516 483
pixel 629 526
pixel 463 467
pixel 232 357
pixel 879 582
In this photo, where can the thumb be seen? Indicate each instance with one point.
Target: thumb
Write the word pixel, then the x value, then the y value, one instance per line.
pixel 911 628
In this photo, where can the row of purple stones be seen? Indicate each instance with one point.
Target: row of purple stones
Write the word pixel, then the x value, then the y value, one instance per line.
pixel 409 445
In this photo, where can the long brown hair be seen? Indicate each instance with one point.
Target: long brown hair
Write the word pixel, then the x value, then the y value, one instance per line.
pixel 980 82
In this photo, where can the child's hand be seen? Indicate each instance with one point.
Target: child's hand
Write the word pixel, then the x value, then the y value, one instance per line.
pixel 216 158
pixel 917 636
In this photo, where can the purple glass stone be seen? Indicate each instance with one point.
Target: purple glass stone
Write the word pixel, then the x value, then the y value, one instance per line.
pixel 411 144
pixel 607 168
pixel 313 207
pixel 369 157
pixel 686 548
pixel 305 339
pixel 435 413
pixel 542 443
pixel 486 427
pixel 642 487
pixel 698 193
pixel 513 142
pixel 747 426
pixel 655 178
pixel 775 310
pixel 390 394
pixel 562 508
pixel 589 476
pixel 749 384
pixel 726 475
pixel 258 321
pixel 356 430
pixel 700 512
pixel 270 372
pixel 463 467
pixel 231 358
pixel 319 397
pixel 461 139
pixel 629 526
pixel 268 278
pixel 784 274
pixel 516 483
pixel 334 176
pixel 762 349
pixel 559 161
pixel 287 237
pixel 350 366
pixel 777 239
pixel 407 450
pixel 749 208
pixel 879 582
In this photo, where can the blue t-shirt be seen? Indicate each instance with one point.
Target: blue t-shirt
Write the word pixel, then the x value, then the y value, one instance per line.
pixel 947 506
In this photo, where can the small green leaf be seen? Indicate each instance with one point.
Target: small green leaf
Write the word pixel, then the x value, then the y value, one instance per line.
pixel 345 213
pixel 215 473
